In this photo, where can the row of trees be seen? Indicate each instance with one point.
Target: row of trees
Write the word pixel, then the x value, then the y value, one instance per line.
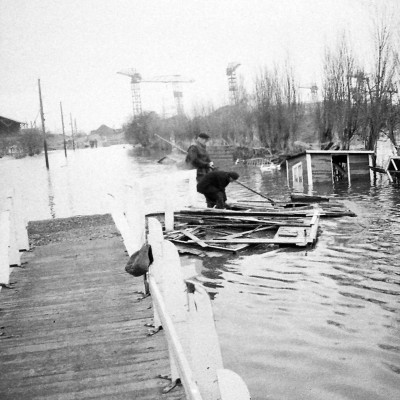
pixel 357 101
pixel 357 98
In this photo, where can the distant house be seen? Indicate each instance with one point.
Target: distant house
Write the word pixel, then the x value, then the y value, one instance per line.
pixel 104 130
pixel 106 136
pixel 319 166
pixel 10 126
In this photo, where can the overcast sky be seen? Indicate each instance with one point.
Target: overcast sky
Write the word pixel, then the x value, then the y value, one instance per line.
pixel 76 48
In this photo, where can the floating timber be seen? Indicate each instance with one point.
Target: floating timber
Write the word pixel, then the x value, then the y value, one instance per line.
pixel 327 210
pixel 233 233
pixel 306 198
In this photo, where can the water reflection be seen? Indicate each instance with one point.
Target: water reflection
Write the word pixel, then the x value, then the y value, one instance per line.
pixel 51 195
pixel 321 323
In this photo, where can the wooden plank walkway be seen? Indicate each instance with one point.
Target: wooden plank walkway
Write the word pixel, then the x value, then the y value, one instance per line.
pixel 72 327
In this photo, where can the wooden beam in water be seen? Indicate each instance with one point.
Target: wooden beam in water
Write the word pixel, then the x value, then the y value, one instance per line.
pixel 211 245
pixel 274 213
pixel 194 237
pixel 296 241
pixel 259 229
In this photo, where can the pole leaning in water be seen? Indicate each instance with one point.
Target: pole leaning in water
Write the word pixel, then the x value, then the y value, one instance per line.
pixel 72 132
pixel 63 130
pixel 270 200
pixel 43 127
pixel 172 144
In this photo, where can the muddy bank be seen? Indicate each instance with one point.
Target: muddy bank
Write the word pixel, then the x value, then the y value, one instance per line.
pixel 73 229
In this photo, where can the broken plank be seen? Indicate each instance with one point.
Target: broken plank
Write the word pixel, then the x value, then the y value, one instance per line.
pixel 194 237
pixel 296 241
pixel 239 234
pixel 250 221
pixel 209 246
pixel 207 212
pixel 307 198
pixel 288 232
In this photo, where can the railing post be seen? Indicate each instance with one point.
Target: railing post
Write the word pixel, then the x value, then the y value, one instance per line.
pixel 166 272
pixel 192 198
pixel 121 223
pixel 169 203
pixel 21 232
pixel 155 239
pixel 135 214
pixel 4 247
pixel 14 256
pixel 203 335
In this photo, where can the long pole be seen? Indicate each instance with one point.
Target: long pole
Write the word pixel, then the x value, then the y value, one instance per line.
pixel 241 184
pixel 43 127
pixel 172 144
pixel 72 131
pixel 76 130
pixel 63 130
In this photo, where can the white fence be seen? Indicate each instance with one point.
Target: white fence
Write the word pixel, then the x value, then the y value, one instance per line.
pixel 13 236
pixel 182 308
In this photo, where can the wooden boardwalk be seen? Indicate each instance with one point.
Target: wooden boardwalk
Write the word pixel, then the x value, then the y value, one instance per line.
pixel 72 327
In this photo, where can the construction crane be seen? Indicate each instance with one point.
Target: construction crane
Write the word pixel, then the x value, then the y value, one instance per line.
pixel 135 81
pixel 174 80
pixel 314 91
pixel 232 82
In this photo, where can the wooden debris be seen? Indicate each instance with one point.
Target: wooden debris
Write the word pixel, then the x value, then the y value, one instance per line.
pixel 308 198
pixel 234 234
pixel 193 237
pixel 329 211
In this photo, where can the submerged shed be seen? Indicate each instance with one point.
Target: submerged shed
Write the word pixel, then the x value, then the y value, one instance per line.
pixel 315 166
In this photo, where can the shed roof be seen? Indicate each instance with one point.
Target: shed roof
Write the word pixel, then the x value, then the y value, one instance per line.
pixel 12 120
pixel 330 152
pixel 339 151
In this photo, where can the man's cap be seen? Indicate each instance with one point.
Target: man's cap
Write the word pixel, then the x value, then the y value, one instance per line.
pixel 233 175
pixel 204 135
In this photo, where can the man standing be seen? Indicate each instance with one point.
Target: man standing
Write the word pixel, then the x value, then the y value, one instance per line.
pixel 197 156
pixel 213 187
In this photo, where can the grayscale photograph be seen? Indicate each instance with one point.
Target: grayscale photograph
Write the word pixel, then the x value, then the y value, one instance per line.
pixel 200 199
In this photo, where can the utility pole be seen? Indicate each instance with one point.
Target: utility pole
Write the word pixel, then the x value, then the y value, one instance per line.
pixel 76 130
pixel 43 127
pixel 63 128
pixel 72 131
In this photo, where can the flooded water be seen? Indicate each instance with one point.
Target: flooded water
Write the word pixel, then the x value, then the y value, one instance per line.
pixel 322 323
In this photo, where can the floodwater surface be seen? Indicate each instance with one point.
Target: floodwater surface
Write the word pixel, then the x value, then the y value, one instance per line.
pixel 321 323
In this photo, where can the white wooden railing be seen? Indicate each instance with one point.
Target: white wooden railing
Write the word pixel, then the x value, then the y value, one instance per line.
pixel 182 308
pixel 13 236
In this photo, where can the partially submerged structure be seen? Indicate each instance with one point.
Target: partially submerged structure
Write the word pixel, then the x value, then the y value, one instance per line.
pixel 315 166
pixel 393 169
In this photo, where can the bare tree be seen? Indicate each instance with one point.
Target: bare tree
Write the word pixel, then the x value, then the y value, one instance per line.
pixel 277 107
pixel 340 117
pixel 294 108
pixel 381 82
pixel 263 95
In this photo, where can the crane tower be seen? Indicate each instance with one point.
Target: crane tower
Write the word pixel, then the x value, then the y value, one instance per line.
pixel 174 80
pixel 232 82
pixel 135 88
